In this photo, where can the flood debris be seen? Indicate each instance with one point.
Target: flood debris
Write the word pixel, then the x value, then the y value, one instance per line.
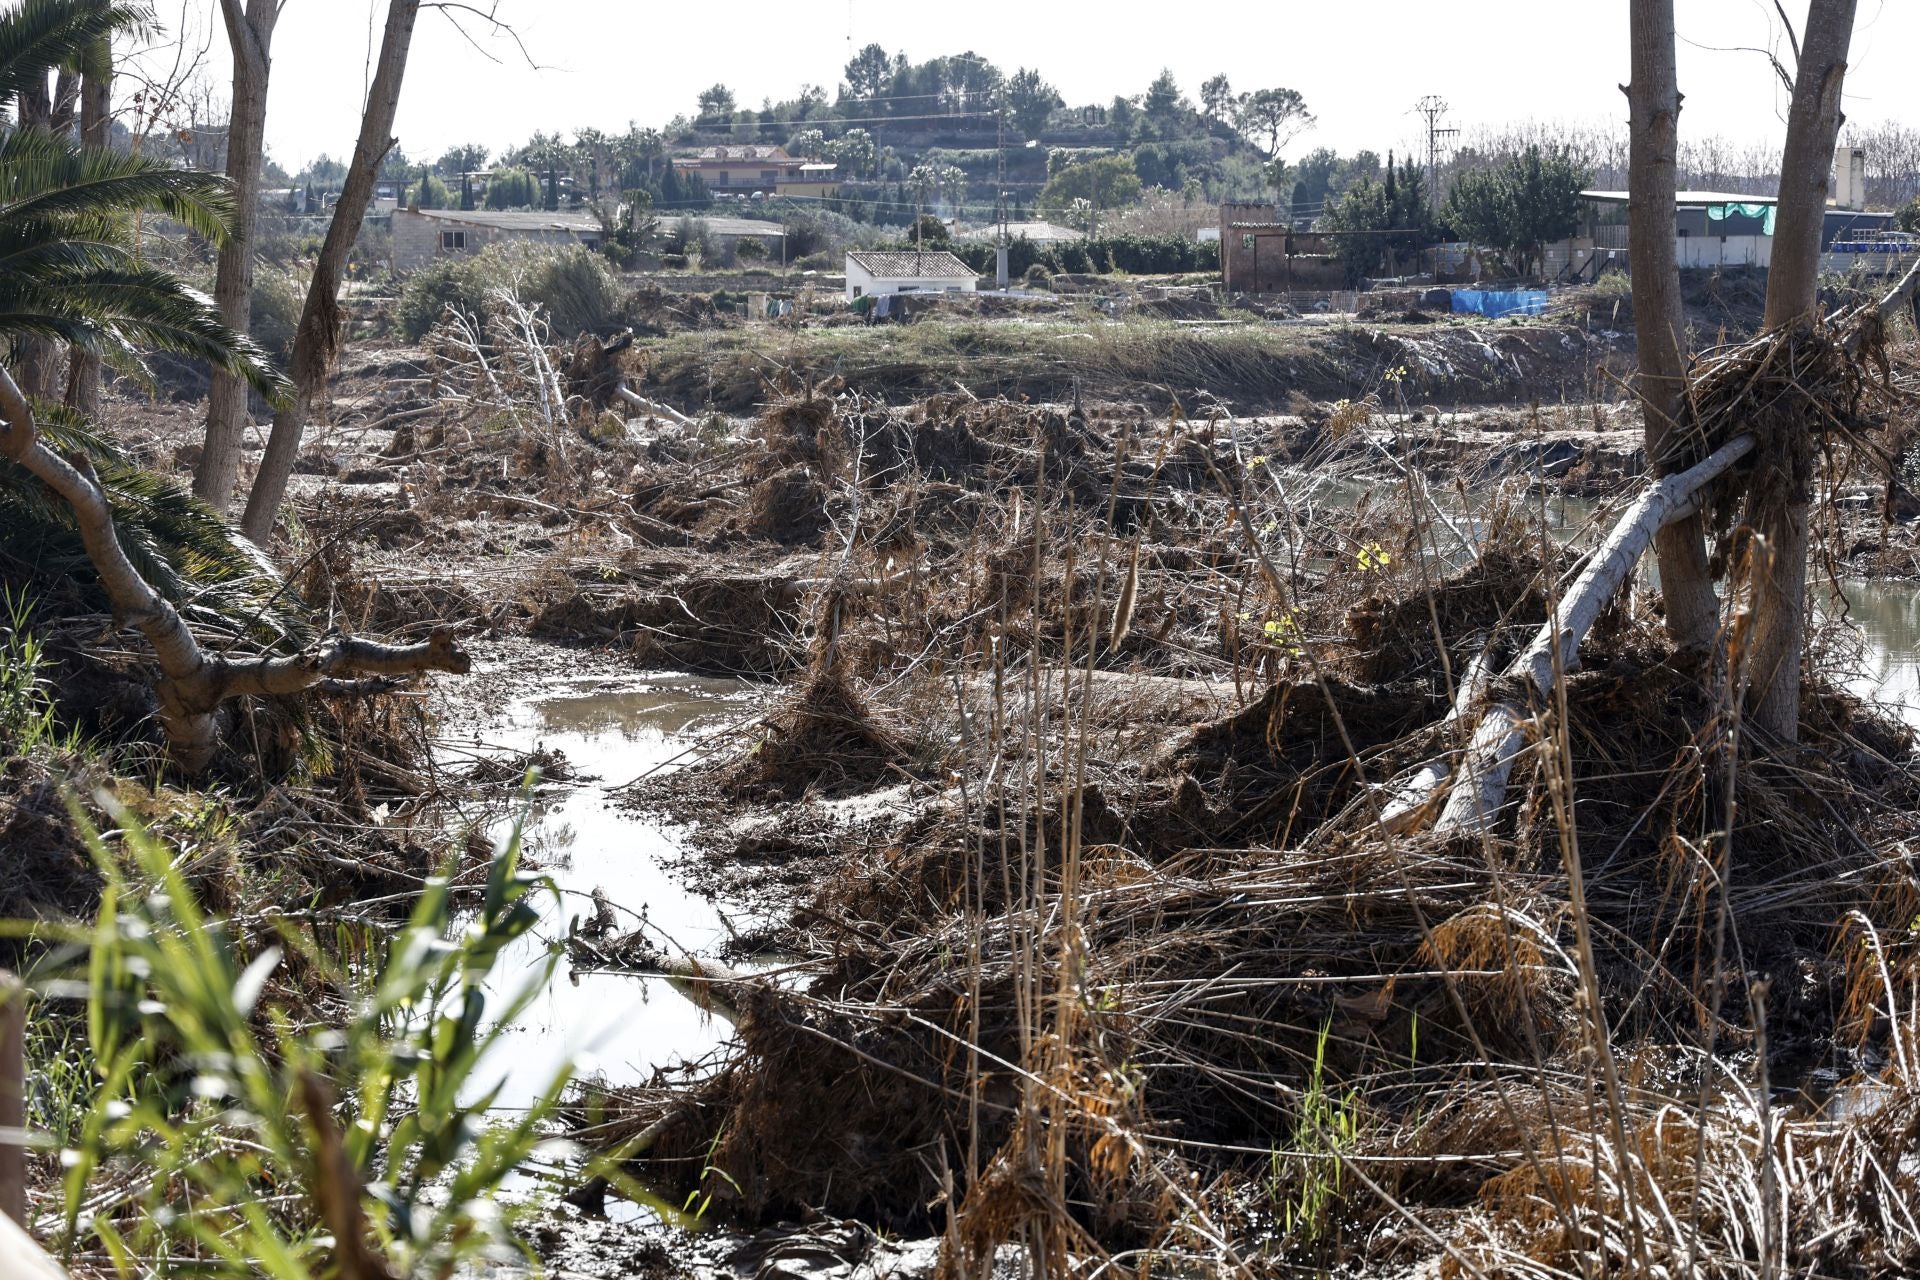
pixel 1120 986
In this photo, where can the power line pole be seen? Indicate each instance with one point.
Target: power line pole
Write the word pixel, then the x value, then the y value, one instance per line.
pixel 1434 108
pixel 1000 274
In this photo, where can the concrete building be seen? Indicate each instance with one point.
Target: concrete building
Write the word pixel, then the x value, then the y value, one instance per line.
pixel 734 170
pixel 1037 232
pixel 1726 228
pixel 874 274
pixel 422 235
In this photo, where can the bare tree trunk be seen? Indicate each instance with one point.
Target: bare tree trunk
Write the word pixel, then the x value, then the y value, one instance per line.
pixel 38 359
pixel 96 116
pixel 1654 104
pixel 318 337
pixel 194 683
pixel 1783 486
pixel 251 35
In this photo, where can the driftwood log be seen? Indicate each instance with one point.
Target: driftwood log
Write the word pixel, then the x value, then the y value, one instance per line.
pixel 194 683
pixel 1502 732
pixel 1479 786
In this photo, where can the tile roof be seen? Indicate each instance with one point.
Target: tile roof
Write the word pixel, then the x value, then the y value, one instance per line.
pixel 738 153
pixel 933 264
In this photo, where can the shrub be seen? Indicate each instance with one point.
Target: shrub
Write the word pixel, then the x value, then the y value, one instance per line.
pixel 572 285
pixel 1038 278
pixel 513 189
pixel 1613 284
pixel 277 300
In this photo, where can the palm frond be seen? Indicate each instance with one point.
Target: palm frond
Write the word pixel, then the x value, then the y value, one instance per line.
pixel 44 177
pixel 29 251
pixel 37 36
pixel 188 552
pixel 118 310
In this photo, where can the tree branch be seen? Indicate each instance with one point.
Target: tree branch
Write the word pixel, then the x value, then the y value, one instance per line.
pixel 194 684
pixel 490 17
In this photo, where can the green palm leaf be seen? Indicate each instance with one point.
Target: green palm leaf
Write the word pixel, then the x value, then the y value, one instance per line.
pixel 188 552
pixel 38 35
pixel 117 310
pixel 43 177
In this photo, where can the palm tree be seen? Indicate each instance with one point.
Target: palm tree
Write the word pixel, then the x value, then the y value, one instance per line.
pixel 69 273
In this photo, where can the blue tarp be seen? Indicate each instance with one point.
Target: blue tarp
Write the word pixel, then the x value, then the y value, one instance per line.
pixel 1495 303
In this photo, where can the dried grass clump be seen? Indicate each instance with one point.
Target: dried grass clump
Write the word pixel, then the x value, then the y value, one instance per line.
pixel 1105 996
pixel 788 506
pixel 829 740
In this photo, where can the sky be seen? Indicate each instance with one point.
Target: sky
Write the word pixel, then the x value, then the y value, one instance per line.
pixel 1361 64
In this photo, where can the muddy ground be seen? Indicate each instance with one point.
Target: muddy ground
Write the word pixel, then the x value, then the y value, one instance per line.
pixel 989 602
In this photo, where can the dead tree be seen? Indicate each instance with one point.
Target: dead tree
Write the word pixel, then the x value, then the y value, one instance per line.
pixel 1653 100
pixel 194 684
pixel 1783 489
pixel 250 33
pixel 317 339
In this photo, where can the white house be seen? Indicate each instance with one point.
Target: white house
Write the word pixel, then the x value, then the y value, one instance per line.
pixel 873 274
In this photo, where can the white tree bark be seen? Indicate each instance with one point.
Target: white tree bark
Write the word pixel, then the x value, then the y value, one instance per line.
pixel 652 408
pixel 1476 799
pixel 1409 802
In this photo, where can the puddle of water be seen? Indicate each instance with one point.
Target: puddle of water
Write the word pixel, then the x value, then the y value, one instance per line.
pixel 1888 616
pixel 624 1026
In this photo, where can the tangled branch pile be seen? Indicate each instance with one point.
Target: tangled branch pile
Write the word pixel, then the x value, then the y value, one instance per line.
pixel 1122 987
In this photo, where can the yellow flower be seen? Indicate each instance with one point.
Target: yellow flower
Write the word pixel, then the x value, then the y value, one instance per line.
pixel 1372 558
pixel 1285 632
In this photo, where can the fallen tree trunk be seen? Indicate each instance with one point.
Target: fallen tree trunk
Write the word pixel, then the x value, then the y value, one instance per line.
pixel 1502 732
pixel 653 408
pixel 194 683
pixel 1409 802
